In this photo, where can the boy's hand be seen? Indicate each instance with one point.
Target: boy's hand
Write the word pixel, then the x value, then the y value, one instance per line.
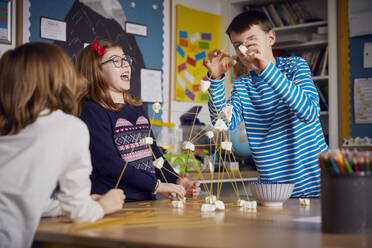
pixel 112 201
pixel 168 189
pixel 256 57
pixel 192 188
pixel 217 64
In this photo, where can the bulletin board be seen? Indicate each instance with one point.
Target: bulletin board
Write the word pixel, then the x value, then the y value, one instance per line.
pixel 350 50
pixel 198 33
pixel 89 20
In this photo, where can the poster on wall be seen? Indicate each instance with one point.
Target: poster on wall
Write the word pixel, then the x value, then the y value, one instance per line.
pixel 198 33
pixel 73 24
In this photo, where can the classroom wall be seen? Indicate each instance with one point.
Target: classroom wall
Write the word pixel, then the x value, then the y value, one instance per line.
pixel 210 6
pixel 5 47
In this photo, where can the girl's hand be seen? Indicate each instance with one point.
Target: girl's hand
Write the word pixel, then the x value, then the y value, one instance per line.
pixel 112 201
pixel 192 188
pixel 167 189
pixel 217 64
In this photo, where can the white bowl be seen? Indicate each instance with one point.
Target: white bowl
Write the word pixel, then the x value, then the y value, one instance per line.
pixel 271 194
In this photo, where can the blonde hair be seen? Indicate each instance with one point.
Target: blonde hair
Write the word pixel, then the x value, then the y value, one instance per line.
pixel 89 64
pixel 33 77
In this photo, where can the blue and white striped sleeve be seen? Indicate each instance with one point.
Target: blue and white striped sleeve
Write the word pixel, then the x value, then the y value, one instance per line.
pixel 300 94
pixel 217 101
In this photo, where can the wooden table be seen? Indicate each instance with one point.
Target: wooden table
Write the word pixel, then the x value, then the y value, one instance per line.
pixel 158 224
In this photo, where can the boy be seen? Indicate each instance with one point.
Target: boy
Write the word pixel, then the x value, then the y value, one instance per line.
pixel 277 101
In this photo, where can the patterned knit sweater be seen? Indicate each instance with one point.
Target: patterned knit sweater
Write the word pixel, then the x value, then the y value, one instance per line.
pixel 280 109
pixel 113 143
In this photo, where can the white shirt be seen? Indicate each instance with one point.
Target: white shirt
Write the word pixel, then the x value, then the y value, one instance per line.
pixel 55 148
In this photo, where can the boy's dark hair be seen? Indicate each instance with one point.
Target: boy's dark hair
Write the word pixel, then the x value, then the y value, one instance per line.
pixel 245 20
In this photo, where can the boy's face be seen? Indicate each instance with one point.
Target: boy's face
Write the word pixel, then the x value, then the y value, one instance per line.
pixel 253 38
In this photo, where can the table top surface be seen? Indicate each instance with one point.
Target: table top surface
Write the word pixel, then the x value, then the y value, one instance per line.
pixel 158 224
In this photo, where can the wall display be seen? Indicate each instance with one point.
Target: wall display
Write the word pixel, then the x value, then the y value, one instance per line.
pixel 5 21
pixel 355 121
pixel 90 20
pixel 198 33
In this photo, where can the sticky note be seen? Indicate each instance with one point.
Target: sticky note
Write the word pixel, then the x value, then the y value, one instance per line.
pixel 200 55
pixel 204 97
pixel 184 42
pixel 180 51
pixel 183 34
pixel 194 37
pixel 182 67
pixel 206 36
pixel 181 82
pixel 191 61
pixel 203 45
pixel 189 94
pixel 189 77
pixel 195 87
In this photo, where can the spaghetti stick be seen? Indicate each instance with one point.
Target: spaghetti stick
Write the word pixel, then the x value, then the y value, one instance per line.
pixel 126 164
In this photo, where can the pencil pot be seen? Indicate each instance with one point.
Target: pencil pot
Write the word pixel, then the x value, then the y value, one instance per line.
pixel 347 202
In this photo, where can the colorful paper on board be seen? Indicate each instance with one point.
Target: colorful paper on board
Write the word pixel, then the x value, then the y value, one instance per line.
pixel 182 67
pixel 180 51
pixel 200 56
pixel 183 34
pixel 199 29
pixel 206 36
pixel 189 94
pixel 189 77
pixel 191 61
pixel 194 37
pixel 181 82
pixel 184 42
pixel 203 45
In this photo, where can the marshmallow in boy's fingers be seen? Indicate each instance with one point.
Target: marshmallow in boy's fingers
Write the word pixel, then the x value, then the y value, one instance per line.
pixel 156 107
pixel 204 85
pixel 243 49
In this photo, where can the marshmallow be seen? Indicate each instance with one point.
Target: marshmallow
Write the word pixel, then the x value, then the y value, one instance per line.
pixel 187 145
pixel 226 145
pixel 210 134
pixel 227 112
pixel 210 199
pixel 177 204
pixel 204 85
pixel 156 107
pixel 304 202
pixel 147 141
pixel 250 204
pixel 241 203
pixel 208 208
pixel 243 49
pixel 247 204
pixel 220 126
pixel 158 163
pixel 219 205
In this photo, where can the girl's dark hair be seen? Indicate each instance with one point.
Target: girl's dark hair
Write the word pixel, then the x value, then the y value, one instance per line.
pixel 245 20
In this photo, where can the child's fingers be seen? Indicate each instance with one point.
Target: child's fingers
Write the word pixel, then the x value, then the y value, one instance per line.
pixel 95 196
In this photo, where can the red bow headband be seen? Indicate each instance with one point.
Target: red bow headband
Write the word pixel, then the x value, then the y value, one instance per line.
pixel 96 47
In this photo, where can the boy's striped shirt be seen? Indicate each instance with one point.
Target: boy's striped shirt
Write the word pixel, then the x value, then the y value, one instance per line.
pixel 281 111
